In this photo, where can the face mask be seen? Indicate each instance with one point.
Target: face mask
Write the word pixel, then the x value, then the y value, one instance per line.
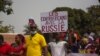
pixel 33 32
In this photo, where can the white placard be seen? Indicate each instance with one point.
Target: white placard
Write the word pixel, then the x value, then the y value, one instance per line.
pixel 54 22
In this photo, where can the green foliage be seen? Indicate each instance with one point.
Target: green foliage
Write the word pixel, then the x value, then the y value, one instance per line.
pixel 6 29
pixel 27 29
pixel 5 6
pixel 81 20
pixel 95 14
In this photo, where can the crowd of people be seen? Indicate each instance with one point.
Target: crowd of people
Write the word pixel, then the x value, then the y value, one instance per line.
pixel 13 49
pixel 50 44
pixel 72 42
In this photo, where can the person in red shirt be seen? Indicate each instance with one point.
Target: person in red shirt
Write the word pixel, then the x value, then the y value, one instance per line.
pixel 4 47
pixel 18 47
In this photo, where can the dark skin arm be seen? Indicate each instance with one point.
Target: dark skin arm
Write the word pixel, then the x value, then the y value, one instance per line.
pixel 67 48
pixel 45 50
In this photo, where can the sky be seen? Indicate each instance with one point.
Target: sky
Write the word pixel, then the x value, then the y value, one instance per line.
pixel 25 9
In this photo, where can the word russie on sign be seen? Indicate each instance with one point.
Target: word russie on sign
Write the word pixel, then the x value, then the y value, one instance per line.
pixel 54 22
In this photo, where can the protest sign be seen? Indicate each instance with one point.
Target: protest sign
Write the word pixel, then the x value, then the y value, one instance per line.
pixel 54 22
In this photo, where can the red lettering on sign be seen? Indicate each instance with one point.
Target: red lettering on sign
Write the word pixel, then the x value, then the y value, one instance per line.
pixel 53 14
pixel 43 28
pixel 62 27
pixel 47 22
pixel 53 28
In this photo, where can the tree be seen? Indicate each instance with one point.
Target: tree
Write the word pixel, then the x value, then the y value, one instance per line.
pixel 5 6
pixel 77 19
pixel 6 29
pixel 27 29
pixel 94 11
pixel 70 14
pixel 95 14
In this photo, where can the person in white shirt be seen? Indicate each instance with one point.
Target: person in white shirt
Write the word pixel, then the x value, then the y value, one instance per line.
pixel 58 47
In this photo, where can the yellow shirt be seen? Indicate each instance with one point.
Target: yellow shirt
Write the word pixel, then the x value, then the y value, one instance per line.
pixel 82 51
pixel 35 44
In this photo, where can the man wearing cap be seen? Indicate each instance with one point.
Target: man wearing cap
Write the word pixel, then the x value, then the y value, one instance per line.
pixel 35 42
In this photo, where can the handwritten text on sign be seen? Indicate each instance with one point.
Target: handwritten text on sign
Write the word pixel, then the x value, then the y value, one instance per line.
pixel 54 22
